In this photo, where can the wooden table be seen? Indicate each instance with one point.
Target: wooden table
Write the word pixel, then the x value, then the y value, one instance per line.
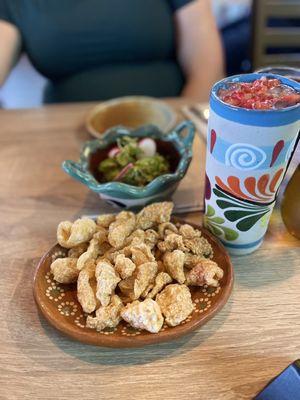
pixel 253 338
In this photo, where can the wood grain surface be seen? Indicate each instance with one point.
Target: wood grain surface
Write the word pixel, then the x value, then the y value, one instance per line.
pixel 252 339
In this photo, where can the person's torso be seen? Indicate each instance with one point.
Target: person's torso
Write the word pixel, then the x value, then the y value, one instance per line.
pixel 63 37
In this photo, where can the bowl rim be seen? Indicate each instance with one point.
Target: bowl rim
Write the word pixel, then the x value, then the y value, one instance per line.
pixel 130 191
pixel 128 99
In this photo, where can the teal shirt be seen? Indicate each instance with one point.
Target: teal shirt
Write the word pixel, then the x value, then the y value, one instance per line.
pixel 99 49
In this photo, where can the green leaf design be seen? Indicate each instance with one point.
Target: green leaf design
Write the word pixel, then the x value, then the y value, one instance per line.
pixel 226 204
pixel 238 202
pixel 219 193
pixel 247 223
pixel 214 224
pixel 234 215
pixel 218 220
pixel 210 211
pixel 215 230
pixel 230 234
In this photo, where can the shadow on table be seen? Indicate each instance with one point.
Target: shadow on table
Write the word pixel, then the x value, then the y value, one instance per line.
pixel 136 356
pixel 28 329
pixel 265 267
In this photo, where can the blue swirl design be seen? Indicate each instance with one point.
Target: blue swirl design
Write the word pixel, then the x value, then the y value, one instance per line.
pixel 244 156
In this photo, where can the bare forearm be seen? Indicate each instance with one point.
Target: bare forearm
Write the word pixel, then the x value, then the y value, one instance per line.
pixel 198 87
pixel 10 45
pixel 200 51
pixel 206 68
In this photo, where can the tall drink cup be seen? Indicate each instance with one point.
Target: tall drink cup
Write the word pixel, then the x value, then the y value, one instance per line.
pixel 248 152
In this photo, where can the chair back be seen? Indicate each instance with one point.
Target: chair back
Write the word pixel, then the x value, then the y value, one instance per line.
pixel 273 42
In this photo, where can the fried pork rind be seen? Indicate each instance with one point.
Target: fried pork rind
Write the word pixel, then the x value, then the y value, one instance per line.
pixel 73 234
pixel 104 248
pixel 82 231
pixel 143 315
pixel 124 266
pixel 151 238
pixel 64 270
pixel 107 280
pixel 129 289
pixel 205 272
pixel 140 257
pixel 188 232
pixel 99 237
pixel 191 260
pixel 121 228
pixel 166 228
pixel 105 220
pixel 111 254
pixel 86 288
pixel 160 266
pixel 172 242
pixel 63 233
pixel 199 246
pixel 174 263
pixel 176 304
pixel 106 317
pixel 94 250
pixel 142 277
pixel 76 252
pixel 137 236
pixel 83 260
pixel 154 214
pixel 141 254
pixel 147 291
pixel 161 280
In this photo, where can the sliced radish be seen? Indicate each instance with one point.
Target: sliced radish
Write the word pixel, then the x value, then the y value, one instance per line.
pixel 123 172
pixel 113 152
pixel 148 146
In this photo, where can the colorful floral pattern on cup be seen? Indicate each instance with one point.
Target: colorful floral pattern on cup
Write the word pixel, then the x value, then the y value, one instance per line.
pixel 214 223
pixel 248 152
pixel 247 157
pixel 259 190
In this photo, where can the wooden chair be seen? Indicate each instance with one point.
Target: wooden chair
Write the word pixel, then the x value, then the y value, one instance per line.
pixel 264 36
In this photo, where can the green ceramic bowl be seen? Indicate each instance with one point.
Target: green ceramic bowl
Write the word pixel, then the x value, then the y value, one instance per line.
pixel 178 144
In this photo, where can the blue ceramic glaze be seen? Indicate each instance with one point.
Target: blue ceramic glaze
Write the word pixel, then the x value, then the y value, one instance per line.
pixel 267 118
pixel 127 195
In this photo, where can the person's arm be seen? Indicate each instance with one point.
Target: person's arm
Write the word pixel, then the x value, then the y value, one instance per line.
pixel 10 48
pixel 199 48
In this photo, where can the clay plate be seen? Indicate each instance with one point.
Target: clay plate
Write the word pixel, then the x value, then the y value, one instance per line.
pixel 58 303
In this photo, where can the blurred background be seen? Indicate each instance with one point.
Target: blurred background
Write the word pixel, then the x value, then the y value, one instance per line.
pixel 255 33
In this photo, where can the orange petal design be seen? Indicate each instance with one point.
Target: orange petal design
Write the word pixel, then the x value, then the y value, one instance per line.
pixel 250 184
pixel 262 184
pixel 234 184
pixel 222 185
pixel 275 180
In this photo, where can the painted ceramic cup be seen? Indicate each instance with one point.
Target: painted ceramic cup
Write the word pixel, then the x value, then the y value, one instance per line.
pixel 248 152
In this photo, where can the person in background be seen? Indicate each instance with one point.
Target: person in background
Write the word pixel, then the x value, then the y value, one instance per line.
pixel 100 49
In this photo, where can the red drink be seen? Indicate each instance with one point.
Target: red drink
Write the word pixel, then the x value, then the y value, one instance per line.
pixel 261 94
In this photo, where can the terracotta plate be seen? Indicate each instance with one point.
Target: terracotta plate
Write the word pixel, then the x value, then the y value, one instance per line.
pixel 59 305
